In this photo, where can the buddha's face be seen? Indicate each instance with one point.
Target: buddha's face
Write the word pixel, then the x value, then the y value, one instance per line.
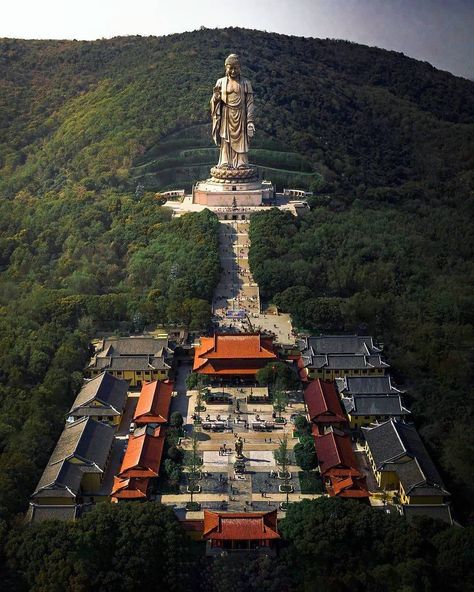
pixel 232 69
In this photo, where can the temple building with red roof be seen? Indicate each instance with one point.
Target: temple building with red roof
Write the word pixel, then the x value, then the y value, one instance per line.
pixel 130 489
pixel 338 466
pixel 240 531
pixel 154 403
pixel 140 464
pixel 143 454
pixel 324 407
pixel 233 355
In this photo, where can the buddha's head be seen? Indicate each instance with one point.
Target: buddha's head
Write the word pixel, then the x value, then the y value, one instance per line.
pixel 232 66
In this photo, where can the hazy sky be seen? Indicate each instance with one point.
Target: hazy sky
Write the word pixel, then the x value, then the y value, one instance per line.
pixel 438 31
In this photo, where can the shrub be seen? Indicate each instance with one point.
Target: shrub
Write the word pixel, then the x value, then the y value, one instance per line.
pixel 173 470
pixel 301 424
pixel 175 454
pixel 305 453
pixel 173 436
pixel 176 420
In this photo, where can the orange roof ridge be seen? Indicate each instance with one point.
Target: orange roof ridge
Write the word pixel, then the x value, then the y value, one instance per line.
pixel 211 344
pixel 342 484
pixel 154 402
pixel 236 346
pixel 233 354
pixel 129 488
pixel 323 402
pixel 211 521
pixel 142 456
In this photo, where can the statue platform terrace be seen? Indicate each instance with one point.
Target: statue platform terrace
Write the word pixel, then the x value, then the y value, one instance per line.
pixel 235 211
pixel 233 194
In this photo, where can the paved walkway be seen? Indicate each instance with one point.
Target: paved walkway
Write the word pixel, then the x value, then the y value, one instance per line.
pixel 236 305
pixel 180 401
pixel 129 411
pixel 258 487
pixel 237 308
pixel 236 299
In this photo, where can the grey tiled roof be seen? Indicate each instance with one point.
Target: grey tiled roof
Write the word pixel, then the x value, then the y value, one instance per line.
pixel 343 361
pixel 384 443
pixel 86 439
pixel 132 353
pixel 39 513
pixel 366 385
pixel 436 511
pixel 416 447
pixel 106 389
pixel 92 412
pixel 133 346
pixel 62 476
pixel 390 405
pixel 415 482
pixel 342 344
pixel 95 443
pixel 392 444
pixel 140 363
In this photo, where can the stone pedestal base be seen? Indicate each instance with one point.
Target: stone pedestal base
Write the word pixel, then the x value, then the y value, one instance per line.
pixel 210 193
pixel 239 466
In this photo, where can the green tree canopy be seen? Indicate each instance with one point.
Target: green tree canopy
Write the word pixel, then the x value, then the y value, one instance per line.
pixel 277 375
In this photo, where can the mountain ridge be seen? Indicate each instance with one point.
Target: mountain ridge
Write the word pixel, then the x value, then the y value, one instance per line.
pixel 108 101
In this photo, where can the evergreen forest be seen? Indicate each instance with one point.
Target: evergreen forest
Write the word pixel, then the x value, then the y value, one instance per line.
pixel 327 544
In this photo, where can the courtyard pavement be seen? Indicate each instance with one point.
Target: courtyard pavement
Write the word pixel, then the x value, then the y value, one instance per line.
pixel 259 486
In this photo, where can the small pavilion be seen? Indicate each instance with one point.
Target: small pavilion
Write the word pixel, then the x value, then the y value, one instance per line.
pixel 240 531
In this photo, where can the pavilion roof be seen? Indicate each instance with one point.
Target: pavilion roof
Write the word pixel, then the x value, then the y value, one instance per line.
pixel 240 525
pixel 322 401
pixel 366 385
pixel 154 402
pixel 131 488
pixel 143 456
pixel 350 486
pixel 244 346
pixel 105 389
pixel 334 451
pixel 388 405
pixel 342 344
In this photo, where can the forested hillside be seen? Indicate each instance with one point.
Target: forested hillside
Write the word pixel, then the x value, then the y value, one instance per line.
pixel 330 114
pixel 75 264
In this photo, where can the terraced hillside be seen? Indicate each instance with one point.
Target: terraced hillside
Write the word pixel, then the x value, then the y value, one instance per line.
pixel 108 113
pixel 184 157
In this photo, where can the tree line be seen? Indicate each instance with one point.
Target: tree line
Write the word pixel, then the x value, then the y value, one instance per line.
pixel 326 545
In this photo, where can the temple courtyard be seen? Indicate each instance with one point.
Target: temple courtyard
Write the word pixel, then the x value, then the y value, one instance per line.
pixel 259 487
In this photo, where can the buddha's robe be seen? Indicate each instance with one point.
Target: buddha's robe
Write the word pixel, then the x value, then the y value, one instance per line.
pixel 230 116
